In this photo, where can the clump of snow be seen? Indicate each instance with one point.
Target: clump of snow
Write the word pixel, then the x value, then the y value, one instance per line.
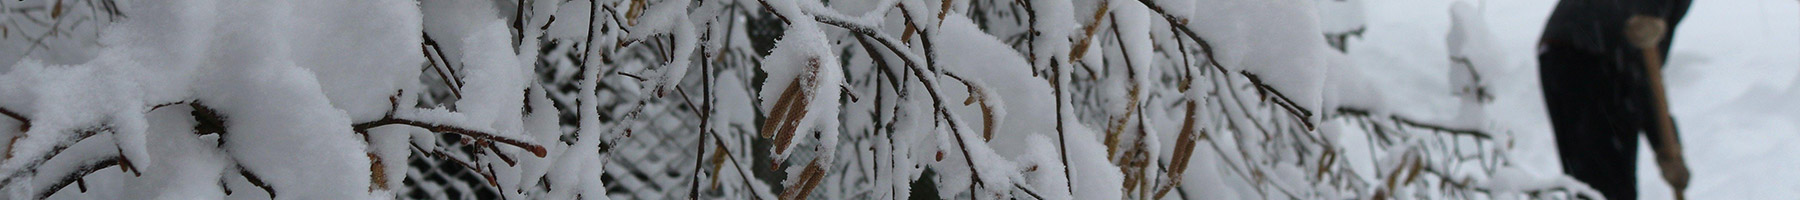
pixel 1095 176
pixel 995 172
pixel 362 51
pixel 1055 22
pixel 668 17
pixel 281 127
pixel 448 21
pixel 569 27
pixel 1341 16
pixel 1472 54
pixel 495 80
pixel 1044 168
pixel 1278 41
pixel 190 169
pixel 1133 27
pixel 733 105
pixel 63 102
pixel 1023 101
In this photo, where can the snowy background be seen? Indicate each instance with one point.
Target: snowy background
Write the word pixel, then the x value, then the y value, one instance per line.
pixel 1731 72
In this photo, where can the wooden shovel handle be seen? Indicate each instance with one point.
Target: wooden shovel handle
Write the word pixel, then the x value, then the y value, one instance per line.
pixel 1646 32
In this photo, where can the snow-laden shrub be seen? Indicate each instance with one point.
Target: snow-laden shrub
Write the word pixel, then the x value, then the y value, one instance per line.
pixel 763 99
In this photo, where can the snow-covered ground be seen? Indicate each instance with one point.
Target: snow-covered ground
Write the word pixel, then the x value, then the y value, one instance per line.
pixel 1732 78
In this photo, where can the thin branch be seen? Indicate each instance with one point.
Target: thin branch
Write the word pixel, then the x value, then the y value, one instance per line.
pixel 440 128
pixel 705 120
pixel 470 165
pixel 930 82
pixel 1028 191
pixel 742 175
pixel 31 165
pixel 257 181
pixel 76 176
pixel 1355 112
pixel 503 157
pixel 848 92
pixel 24 123
pixel 444 76
pixel 1180 25
pixel 1282 100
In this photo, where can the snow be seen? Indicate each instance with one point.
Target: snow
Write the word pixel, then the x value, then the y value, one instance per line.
pixel 1094 174
pixel 995 172
pixel 570 27
pixel 62 100
pixel 1133 26
pixel 190 168
pixel 668 18
pixel 79 154
pixel 310 153
pixel 1048 179
pixel 1341 16
pixel 290 77
pixel 360 50
pixel 1020 101
pixel 495 80
pixel 448 21
pixel 1056 20
pixel 1268 39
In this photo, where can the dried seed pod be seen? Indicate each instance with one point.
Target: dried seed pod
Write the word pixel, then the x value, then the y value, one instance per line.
pixel 809 179
pixel 1119 124
pixel 990 108
pixel 785 118
pixel 1184 150
pixel 378 173
pixel 1088 31
pixel 718 162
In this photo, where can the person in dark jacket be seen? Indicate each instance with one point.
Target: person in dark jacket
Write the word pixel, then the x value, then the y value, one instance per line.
pixel 1600 65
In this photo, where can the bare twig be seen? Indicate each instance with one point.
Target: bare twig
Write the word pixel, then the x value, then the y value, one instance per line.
pixel 442 75
pixel 1355 112
pixel 1034 194
pixel 24 123
pixel 447 72
pixel 80 171
pixel 257 181
pixel 441 128
pixel 1282 100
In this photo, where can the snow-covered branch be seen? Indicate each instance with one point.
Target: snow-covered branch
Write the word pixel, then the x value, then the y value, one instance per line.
pixel 1144 99
pixel 443 128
